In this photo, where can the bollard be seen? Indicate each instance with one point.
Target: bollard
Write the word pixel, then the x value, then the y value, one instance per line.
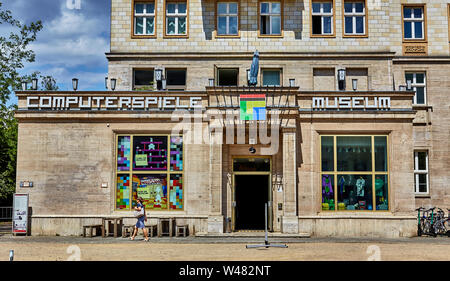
pixel 11 255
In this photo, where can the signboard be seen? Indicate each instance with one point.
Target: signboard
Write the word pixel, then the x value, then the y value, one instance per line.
pixel 144 192
pixel 351 103
pixel 253 107
pixel 141 159
pixel 20 213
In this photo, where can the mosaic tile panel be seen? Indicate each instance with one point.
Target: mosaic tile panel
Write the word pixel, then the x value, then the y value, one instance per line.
pixel 123 153
pixel 123 192
pixel 176 192
pixel 176 153
pixel 153 189
pixel 150 153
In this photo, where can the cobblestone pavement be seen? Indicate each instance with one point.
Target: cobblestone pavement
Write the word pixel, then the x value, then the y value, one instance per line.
pixel 226 249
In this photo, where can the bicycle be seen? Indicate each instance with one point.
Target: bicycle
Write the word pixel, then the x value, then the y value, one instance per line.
pixel 419 221
pixel 442 223
pixel 428 222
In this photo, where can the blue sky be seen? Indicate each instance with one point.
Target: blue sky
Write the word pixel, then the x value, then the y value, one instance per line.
pixel 72 43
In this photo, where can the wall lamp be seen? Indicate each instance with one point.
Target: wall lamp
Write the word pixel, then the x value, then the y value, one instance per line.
pixel 24 85
pixel 75 84
pixel 113 83
pixel 34 84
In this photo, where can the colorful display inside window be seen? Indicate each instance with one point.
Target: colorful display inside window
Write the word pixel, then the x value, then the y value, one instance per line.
pixel 143 171
pixel 253 107
pixel 351 182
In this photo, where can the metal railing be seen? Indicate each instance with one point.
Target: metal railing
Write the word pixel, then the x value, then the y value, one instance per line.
pixel 6 213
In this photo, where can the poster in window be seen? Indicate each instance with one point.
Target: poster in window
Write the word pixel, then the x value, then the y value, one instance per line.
pixel 154 189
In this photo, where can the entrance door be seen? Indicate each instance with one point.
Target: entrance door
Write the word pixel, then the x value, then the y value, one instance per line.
pixel 251 195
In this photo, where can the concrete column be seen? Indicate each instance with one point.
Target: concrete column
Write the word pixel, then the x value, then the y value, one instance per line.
pixel 290 218
pixel 215 218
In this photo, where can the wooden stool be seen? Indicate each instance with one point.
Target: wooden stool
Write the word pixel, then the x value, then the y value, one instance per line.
pixel 152 230
pixel 98 229
pixel 181 230
pixel 127 230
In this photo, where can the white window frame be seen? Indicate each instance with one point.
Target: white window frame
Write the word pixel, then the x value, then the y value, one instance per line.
pixel 270 15
pixel 354 15
pixel 418 172
pixel 228 15
pixel 414 86
pixel 176 15
pixel 145 16
pixel 412 19
pixel 322 14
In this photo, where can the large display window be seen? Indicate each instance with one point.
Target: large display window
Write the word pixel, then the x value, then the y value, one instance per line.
pixel 354 173
pixel 151 167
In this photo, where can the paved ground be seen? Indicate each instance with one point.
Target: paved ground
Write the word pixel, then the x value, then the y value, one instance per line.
pixel 224 249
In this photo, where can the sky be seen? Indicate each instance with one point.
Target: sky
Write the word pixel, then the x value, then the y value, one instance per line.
pixel 72 43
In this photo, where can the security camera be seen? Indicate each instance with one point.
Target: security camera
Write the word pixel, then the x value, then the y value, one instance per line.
pixel 252 150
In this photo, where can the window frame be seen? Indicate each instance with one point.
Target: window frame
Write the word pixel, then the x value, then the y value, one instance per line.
pixel 136 87
pixel 353 15
pixel 260 35
pixel 216 19
pixel 217 77
pixel 418 172
pixel 280 70
pixel 333 15
pixel 133 24
pixel 176 87
pixel 448 16
pixel 424 23
pixel 132 172
pixel 414 86
pixel 372 173
pixel 166 17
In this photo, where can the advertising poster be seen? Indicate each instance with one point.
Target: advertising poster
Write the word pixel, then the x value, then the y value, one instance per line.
pixel 20 213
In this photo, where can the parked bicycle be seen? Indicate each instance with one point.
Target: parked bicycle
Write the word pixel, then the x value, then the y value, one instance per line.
pixel 433 223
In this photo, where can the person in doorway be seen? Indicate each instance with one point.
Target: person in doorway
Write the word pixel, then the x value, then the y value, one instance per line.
pixel 141 220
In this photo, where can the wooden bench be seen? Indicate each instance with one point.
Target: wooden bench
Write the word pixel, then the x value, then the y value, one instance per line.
pixel 127 230
pixel 181 230
pixel 98 229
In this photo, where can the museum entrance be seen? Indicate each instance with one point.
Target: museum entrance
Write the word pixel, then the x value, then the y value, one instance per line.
pixel 251 191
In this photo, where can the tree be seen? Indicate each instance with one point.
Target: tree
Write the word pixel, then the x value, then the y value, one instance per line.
pixel 14 53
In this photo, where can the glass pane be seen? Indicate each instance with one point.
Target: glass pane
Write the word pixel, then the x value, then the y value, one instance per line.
pixel 420 95
pixel 423 183
pixel 233 8
pixel 408 29
pixel 327 154
pixel 265 25
pixel 348 7
pixel 176 153
pixel 328 192
pixel 407 12
pixel 152 189
pixel 150 153
pixel 150 8
pixel 222 25
pixel 354 192
pixel 420 78
pixel 171 8
pixel 233 28
pixel 359 7
pixel 317 25
pixel 354 154
pixel 251 164
pixel 418 13
pixel 143 77
pixel 422 160
pixel 181 25
pixel 409 77
pixel 271 78
pixel 327 25
pixel 123 153
pixel 316 7
pixel 222 8
pixel 276 25
pixel 182 8
pixel 171 25
pixel 381 154
pixel 418 30
pixel 348 25
pixel 139 8
pixel 176 77
pixel 264 8
pixel 327 7
pixel 276 8
pixel 176 192
pixel 123 192
pixel 150 25
pixel 381 192
pixel 139 26
pixel 227 77
pixel 360 25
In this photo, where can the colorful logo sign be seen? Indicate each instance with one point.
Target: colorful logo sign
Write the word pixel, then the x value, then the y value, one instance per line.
pixel 253 107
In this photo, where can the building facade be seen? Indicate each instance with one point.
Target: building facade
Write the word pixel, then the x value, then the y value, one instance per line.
pixel 345 134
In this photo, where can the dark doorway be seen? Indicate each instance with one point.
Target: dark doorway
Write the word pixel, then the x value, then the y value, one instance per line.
pixel 252 192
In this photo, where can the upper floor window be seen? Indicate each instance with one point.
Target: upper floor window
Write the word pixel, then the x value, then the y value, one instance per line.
pixel 143 79
pixel 418 83
pixel 354 18
pixel 270 18
pixel 144 18
pixel 271 77
pixel 227 18
pixel 227 76
pixel 176 79
pixel 413 22
pixel 421 172
pixel 322 18
pixel 176 18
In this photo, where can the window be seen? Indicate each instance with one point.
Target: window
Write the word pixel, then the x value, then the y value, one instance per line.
pixel 227 18
pixel 227 76
pixel 271 77
pixel 354 173
pixel 354 18
pixel 144 18
pixel 413 23
pixel 421 172
pixel 418 83
pixel 322 18
pixel 176 78
pixel 151 167
pixel 143 78
pixel 270 18
pixel 176 18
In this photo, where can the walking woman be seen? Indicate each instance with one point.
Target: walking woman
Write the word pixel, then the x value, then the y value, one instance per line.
pixel 140 223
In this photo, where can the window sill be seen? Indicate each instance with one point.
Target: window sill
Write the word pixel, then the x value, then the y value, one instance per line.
pixel 227 36
pixel 176 36
pixel 143 36
pixel 269 36
pixel 323 36
pixel 418 195
pixel 355 36
pixel 414 41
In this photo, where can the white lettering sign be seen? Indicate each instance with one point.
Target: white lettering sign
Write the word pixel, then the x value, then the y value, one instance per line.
pixel 351 103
